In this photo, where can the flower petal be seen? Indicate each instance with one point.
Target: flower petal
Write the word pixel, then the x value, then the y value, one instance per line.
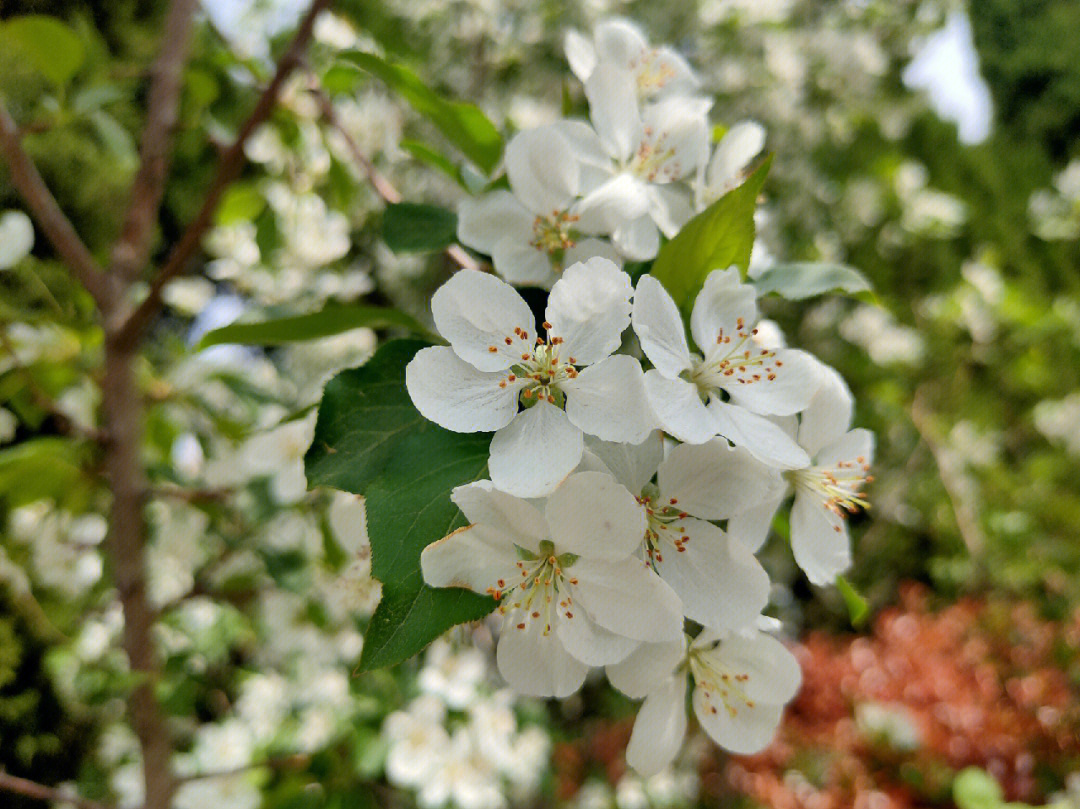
pixel 455 395
pixel 478 314
pixel 746 731
pixel 854 446
pixel 534 453
pixel 534 663
pixel 483 504
pixel 740 144
pixel 659 728
pixel 613 109
pixel 724 300
pixel 633 465
pixel 590 643
pixel 638 239
pixel 828 415
pixel 580 53
pixel 542 170
pixel 589 309
pixel 771 672
pixel 766 441
pixel 669 207
pixel 522 264
pixel 608 400
pixel 16 238
pixel 618 200
pixel 679 408
pixel 591 515
pixel 485 221
pixel 819 539
pixel 676 129
pixel 751 527
pixel 645 669
pixel 592 248
pixel 714 480
pixel 627 598
pixel 720 583
pixel 620 42
pixel 476 557
pixel 659 328
pixel 783 386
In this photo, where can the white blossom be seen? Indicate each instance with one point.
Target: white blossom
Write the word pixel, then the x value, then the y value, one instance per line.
pixel 16 238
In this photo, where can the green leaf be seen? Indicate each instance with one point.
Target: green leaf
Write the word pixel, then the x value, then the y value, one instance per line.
pixel 975 789
pixel 365 412
pixel 115 138
pixel 333 319
pixel 463 124
pixel 720 236
pixel 858 608
pixel 341 79
pixel 806 279
pixel 40 468
pixel 410 227
pixel 51 46
pixel 437 160
pixel 242 202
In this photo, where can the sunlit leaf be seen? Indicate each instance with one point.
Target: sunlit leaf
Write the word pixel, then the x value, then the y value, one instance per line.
pixel 48 44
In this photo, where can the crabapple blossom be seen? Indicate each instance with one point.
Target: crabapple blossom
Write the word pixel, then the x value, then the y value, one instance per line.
pixel 741 683
pixel 539 395
pixel 16 238
pixel 735 383
pixel 827 488
pixel 571 592
pixel 720 583
pixel 728 167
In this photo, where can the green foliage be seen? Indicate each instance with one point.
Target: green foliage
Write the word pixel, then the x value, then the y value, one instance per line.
pixel 807 279
pixel 437 160
pixel 720 236
pixel 463 124
pixel 857 606
pixel 48 44
pixel 410 227
pixel 241 202
pixel 332 319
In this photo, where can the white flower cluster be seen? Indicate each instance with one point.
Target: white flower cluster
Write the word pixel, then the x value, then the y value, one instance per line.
pixel 597 534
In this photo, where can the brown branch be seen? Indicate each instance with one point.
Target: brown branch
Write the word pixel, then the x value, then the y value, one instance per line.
pixel 383 187
pixel 132 249
pixel 229 166
pixel 32 789
pixel 47 213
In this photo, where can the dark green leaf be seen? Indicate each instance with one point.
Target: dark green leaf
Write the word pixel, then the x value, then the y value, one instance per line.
pixel 408 508
pixel 334 319
pixel 463 124
pixel 48 44
pixel 800 280
pixel 363 415
pixel 720 236
pixel 858 609
pixel 425 154
pixel 409 227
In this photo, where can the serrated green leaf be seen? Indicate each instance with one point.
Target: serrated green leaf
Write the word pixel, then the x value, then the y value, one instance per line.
pixel 437 160
pixel 408 508
pixel 805 279
pixel 976 789
pixel 242 202
pixel 363 415
pixel 410 227
pixel 463 124
pixel 720 236
pixel 857 606
pixel 50 45
pixel 333 319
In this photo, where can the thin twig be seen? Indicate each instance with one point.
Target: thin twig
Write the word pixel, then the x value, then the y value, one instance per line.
pixel 132 249
pixel 191 495
pixel 32 789
pixel 383 187
pixel 42 204
pixel 229 166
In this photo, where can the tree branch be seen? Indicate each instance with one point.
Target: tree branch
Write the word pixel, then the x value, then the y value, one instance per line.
pixel 47 213
pixel 132 249
pixel 32 789
pixel 229 166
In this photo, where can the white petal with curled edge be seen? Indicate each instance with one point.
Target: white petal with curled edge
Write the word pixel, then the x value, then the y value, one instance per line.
pixel 856 446
pixel 748 730
pixel 828 415
pixel 627 598
pixel 751 527
pixel 659 328
pixel 588 642
pixel 536 664
pixel 522 264
pixel 638 239
pixel 720 583
pixel 633 465
pixel 580 53
pixel 659 728
pixel 589 309
pixel 16 238
pixel 714 480
pixel 485 221
pixel 644 670
pixel 819 539
pixel 535 452
pixel 724 300
pixel 455 395
pixel 613 109
pixel 679 407
pixel 482 503
pixel 740 144
pixel 765 440
pixel 608 400
pixel 593 516
pixel 476 557
pixel 477 313
pixel 542 170
pixel 792 385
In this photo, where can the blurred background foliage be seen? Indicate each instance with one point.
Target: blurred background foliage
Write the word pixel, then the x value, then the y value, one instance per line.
pixel 968 370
